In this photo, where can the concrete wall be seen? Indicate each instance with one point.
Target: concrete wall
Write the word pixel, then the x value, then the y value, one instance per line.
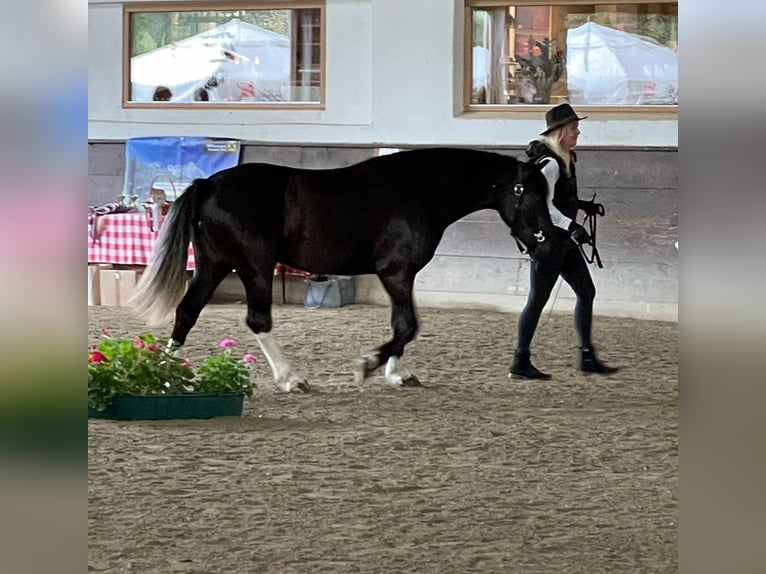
pixel 106 163
pixel 477 263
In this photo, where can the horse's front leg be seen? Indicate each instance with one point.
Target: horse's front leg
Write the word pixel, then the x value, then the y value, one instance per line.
pixel 405 326
pixel 395 372
pixel 259 321
pixel 285 377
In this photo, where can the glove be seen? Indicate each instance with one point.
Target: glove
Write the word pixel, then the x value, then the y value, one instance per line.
pixel 591 207
pixel 578 233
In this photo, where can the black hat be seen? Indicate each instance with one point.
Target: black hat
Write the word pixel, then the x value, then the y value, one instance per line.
pixel 559 116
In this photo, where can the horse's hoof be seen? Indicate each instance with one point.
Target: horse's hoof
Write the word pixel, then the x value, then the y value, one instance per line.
pixel 359 372
pixel 305 387
pixel 369 372
pixel 365 367
pixel 294 385
pixel 411 381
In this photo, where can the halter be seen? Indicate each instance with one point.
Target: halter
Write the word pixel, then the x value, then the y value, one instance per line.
pixel 518 191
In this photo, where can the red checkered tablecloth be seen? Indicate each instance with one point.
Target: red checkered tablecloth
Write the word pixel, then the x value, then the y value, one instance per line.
pixel 128 239
pixel 124 239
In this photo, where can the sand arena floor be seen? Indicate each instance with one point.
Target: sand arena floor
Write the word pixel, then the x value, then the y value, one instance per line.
pixel 471 473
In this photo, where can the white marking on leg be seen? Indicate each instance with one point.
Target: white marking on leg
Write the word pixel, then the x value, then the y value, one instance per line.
pixel 395 372
pixel 284 376
pixel 172 348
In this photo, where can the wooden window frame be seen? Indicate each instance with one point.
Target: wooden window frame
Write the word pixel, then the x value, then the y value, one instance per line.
pixel 660 111
pixel 136 7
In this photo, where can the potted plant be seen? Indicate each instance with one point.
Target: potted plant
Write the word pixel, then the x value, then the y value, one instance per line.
pixel 542 68
pixel 140 378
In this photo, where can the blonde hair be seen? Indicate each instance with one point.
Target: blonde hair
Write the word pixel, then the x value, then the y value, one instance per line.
pixel 553 141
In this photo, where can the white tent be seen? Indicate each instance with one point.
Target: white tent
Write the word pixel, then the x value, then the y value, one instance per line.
pixel 249 63
pixel 610 67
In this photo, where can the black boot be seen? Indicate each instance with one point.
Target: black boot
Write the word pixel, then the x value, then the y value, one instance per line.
pixel 590 363
pixel 523 368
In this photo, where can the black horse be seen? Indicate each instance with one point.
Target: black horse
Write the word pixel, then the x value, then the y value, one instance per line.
pixel 383 216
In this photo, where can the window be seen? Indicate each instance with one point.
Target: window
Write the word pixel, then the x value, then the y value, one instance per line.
pixel 242 55
pixel 621 55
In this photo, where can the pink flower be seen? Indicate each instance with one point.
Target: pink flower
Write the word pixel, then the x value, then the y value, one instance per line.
pixel 187 363
pixel 106 333
pixel 226 343
pixel 138 343
pixel 154 347
pixel 97 357
pixel 248 358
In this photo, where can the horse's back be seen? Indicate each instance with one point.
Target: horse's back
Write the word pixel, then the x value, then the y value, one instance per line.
pixel 400 172
pixel 345 219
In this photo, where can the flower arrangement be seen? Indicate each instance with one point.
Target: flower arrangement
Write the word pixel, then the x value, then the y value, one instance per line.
pixel 145 365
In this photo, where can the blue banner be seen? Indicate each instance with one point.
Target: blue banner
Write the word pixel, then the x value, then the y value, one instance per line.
pixel 172 163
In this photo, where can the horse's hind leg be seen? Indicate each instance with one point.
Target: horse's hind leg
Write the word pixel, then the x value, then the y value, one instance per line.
pixel 259 295
pixel 404 323
pixel 206 278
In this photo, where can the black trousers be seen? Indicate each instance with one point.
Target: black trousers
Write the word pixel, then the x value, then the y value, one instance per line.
pixel 542 279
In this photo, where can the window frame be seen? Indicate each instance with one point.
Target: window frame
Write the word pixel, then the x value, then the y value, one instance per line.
pixel 659 111
pixel 210 5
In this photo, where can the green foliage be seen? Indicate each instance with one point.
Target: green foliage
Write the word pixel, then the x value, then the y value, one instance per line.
pixel 144 366
pixel 143 43
pixel 662 28
pixel 150 30
pixel 224 373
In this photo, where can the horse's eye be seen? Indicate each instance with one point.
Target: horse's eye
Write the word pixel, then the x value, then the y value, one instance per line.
pixel 518 189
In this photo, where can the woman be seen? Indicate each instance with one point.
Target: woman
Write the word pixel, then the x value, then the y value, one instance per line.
pixel 162 94
pixel 201 95
pixel 552 151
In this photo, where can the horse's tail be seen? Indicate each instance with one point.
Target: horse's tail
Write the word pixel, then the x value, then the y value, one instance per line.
pixel 163 283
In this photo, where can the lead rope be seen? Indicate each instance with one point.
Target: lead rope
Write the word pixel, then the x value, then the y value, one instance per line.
pixel 591 221
pixel 553 303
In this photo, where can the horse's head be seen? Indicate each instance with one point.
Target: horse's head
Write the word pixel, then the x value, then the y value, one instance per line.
pixel 525 210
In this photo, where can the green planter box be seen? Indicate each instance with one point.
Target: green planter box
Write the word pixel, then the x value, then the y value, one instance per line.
pixel 158 407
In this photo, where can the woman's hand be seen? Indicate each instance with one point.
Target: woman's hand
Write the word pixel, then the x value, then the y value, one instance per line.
pixel 578 233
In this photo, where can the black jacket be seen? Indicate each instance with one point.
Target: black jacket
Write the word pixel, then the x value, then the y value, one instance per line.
pixel 565 193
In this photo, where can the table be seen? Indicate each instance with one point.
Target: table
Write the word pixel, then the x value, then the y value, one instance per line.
pixel 124 239
pixel 128 239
